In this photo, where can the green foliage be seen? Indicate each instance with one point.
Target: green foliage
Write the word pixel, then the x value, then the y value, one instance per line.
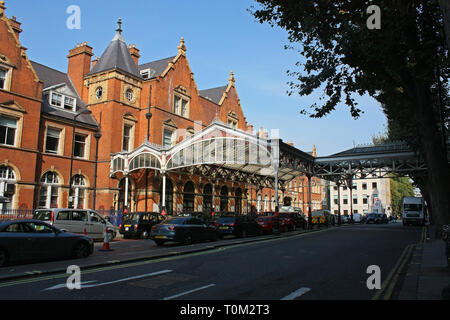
pixel 400 187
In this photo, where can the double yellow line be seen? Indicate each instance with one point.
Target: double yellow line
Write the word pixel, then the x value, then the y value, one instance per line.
pixel 387 288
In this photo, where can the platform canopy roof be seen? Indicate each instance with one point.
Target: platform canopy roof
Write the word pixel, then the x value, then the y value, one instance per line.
pixel 221 152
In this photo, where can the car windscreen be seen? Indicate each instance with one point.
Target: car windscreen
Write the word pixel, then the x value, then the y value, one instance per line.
pixel 175 221
pixel 226 220
pixel 131 217
pixel 372 215
pixel 45 215
pixel 412 207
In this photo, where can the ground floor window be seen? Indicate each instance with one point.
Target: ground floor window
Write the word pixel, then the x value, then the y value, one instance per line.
pixel 77 194
pixel 49 191
pixel 7 186
pixel 188 197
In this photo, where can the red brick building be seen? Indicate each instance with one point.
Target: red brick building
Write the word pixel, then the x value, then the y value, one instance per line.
pixel 59 131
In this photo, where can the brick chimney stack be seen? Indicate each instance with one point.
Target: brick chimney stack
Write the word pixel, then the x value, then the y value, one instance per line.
pixel 15 26
pixel 134 52
pixel 79 65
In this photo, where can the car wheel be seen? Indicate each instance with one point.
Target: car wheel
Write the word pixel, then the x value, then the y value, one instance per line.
pixel 159 242
pixel 187 239
pixel 3 258
pixel 81 250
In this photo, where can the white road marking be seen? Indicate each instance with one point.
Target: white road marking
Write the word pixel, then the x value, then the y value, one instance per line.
pixel 296 294
pixel 187 292
pixel 64 285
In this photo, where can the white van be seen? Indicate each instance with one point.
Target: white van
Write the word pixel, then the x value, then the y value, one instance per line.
pixel 413 211
pixel 81 221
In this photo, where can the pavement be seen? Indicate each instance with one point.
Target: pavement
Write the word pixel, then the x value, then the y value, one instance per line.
pixel 427 273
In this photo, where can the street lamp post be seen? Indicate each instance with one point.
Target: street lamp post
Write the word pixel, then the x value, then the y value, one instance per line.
pixel 97 137
pixel 79 113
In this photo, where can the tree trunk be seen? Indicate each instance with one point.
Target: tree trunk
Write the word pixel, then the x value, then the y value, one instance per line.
pixel 445 7
pixel 434 153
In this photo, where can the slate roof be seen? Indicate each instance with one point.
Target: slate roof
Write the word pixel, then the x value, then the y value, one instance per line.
pixel 213 94
pixel 156 67
pixel 51 77
pixel 116 56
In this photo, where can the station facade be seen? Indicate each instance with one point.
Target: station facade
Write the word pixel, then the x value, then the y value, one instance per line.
pixel 60 130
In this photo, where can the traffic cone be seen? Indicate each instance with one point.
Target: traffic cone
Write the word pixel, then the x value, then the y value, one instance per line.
pixel 105 246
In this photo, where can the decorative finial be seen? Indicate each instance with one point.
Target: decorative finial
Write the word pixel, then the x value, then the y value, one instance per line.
pixel 231 79
pixel 119 26
pixel 2 7
pixel 314 151
pixel 182 48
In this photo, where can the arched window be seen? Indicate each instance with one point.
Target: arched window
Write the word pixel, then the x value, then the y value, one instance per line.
pixel 122 194
pixel 7 186
pixel 258 203
pixel 188 197
pixel 77 194
pixel 49 193
pixel 169 197
pixel 207 198
pixel 238 201
pixel 266 203
pixel 224 199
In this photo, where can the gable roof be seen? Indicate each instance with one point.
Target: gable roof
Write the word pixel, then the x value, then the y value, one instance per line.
pixel 156 67
pixel 116 56
pixel 213 94
pixel 52 78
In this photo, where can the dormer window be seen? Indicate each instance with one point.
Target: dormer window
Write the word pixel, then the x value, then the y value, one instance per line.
pixel 145 74
pixel 62 101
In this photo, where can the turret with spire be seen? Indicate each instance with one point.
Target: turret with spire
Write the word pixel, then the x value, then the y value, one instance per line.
pixel 116 56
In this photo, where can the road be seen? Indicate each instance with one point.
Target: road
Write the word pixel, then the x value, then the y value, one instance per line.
pixel 328 264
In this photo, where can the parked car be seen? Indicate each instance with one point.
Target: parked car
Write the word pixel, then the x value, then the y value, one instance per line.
pixel 30 240
pixel 345 219
pixel 376 218
pixel 292 220
pixel 357 217
pixel 271 224
pixel 81 221
pixel 183 229
pixel 240 226
pixel 139 224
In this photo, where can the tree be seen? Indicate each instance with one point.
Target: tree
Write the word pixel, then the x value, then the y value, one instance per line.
pixel 404 65
pixel 400 187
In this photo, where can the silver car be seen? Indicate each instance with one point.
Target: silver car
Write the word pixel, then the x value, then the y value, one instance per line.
pixel 81 221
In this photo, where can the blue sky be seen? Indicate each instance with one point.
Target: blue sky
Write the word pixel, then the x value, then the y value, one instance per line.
pixel 220 36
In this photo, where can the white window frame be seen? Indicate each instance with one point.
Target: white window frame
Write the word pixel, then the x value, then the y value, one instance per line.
pixel 85 143
pixel 62 104
pixel 9 127
pixel 79 190
pixel 178 107
pixel 172 132
pixel 50 187
pixel 58 148
pixel 5 79
pixel 7 176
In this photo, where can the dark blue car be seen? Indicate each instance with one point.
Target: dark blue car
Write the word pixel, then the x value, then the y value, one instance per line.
pixel 32 240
